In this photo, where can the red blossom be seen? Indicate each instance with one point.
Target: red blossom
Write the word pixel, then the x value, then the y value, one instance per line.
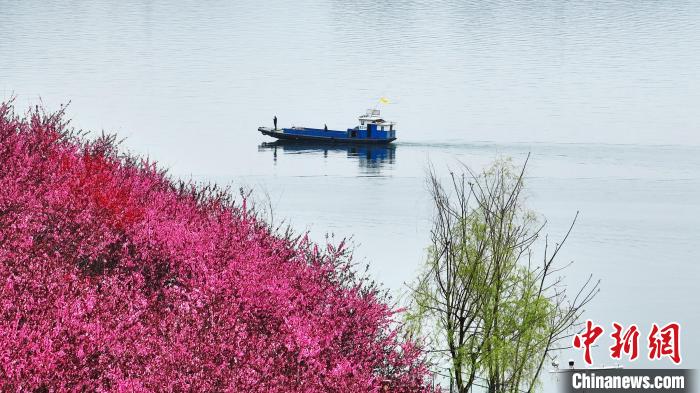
pixel 115 278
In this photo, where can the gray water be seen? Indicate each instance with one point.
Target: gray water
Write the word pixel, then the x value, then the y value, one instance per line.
pixel 604 96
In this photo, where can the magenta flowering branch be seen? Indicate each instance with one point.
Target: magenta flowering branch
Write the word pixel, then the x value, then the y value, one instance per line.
pixel 115 277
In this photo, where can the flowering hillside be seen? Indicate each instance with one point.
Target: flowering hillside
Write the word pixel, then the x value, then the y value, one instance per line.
pixel 115 278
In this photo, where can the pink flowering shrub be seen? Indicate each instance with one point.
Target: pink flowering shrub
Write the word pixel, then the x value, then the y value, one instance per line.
pixel 113 277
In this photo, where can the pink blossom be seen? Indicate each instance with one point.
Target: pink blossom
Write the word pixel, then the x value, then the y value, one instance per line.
pixel 114 277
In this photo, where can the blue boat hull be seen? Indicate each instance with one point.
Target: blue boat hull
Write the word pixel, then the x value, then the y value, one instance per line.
pixel 317 135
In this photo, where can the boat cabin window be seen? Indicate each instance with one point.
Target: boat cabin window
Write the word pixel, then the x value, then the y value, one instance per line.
pixel 382 128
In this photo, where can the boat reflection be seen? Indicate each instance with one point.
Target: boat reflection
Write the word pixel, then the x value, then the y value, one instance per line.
pixel 371 158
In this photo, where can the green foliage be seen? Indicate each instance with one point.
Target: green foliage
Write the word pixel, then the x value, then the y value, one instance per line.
pixel 490 315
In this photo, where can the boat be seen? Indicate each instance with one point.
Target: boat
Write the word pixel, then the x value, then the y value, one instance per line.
pixel 372 129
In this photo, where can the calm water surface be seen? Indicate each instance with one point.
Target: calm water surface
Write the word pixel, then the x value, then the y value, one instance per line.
pixel 603 94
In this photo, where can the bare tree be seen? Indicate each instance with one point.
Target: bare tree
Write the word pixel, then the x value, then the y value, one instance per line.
pixel 492 313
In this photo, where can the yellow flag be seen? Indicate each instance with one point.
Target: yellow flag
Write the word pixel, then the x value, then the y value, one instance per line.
pixel 384 100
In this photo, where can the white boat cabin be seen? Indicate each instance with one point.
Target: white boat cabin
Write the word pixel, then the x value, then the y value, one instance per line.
pixel 373 116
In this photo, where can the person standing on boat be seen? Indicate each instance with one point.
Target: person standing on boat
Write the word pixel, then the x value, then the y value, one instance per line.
pixel 274 120
pixel 325 127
